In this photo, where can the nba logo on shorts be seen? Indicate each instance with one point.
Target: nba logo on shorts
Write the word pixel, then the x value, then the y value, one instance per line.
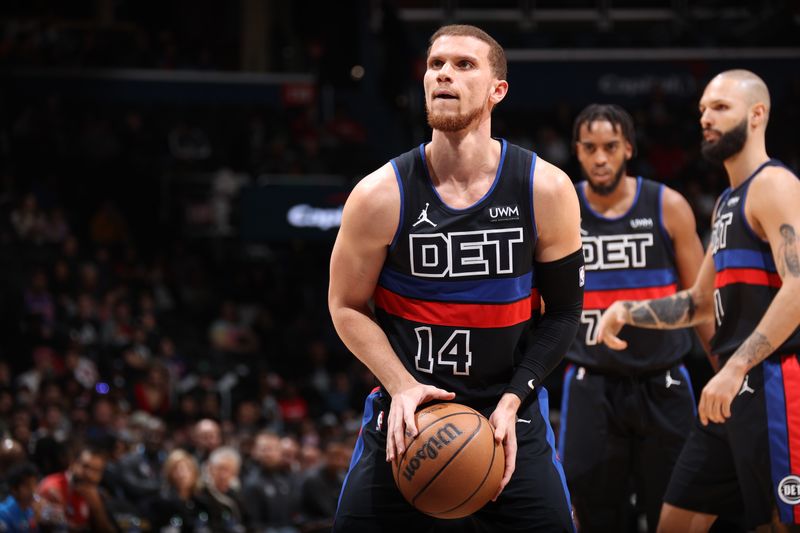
pixel 789 490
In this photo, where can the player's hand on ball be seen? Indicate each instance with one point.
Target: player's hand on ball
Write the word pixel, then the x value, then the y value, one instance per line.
pixel 610 325
pixel 401 423
pixel 504 420
pixel 718 394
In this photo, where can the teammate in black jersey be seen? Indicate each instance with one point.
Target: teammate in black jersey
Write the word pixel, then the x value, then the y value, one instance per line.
pixel 742 460
pixel 453 242
pixel 625 414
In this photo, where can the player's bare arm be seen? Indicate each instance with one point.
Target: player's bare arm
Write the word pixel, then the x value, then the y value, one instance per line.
pixel 771 210
pixel 557 214
pixel 689 307
pixel 369 222
pixel 681 225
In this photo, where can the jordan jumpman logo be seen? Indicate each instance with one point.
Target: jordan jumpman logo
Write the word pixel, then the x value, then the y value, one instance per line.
pixel 746 386
pixel 423 217
pixel 671 381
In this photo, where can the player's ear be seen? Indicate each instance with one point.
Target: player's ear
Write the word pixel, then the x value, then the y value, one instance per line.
pixel 628 151
pixel 758 114
pixel 499 91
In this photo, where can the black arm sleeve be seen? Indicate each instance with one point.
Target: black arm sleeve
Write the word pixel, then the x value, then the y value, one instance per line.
pixel 560 283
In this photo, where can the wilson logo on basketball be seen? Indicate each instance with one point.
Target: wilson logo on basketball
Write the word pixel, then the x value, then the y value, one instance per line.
pixel 430 450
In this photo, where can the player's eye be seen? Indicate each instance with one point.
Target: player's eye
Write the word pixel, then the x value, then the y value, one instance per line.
pixel 465 64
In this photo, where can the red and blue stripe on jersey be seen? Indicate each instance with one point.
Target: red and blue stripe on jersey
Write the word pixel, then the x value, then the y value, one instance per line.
pixel 604 288
pixel 493 303
pixel 751 267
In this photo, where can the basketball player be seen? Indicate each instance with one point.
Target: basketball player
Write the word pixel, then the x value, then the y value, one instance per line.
pixel 741 459
pixel 625 414
pixel 451 240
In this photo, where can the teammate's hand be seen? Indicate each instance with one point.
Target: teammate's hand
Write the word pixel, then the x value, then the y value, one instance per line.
pixel 504 420
pixel 401 422
pixel 718 394
pixel 610 325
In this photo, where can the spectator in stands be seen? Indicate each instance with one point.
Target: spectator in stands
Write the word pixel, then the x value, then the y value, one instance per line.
pixel 177 504
pixel 321 487
pixel 221 491
pixel 152 394
pixel 140 469
pixel 268 497
pixel 28 221
pixel 72 498
pixel 18 510
pixel 206 437
pixel 228 335
pixel 11 453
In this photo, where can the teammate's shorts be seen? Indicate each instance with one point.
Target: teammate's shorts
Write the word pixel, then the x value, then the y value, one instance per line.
pixel 622 434
pixel 536 498
pixel 749 465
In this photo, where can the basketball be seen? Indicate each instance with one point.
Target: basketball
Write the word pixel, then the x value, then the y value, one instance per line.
pixel 453 466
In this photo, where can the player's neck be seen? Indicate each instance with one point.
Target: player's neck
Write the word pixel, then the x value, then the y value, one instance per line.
pixel 742 165
pixel 615 204
pixel 464 155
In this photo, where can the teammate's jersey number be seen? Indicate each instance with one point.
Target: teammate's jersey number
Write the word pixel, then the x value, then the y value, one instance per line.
pixel 591 318
pixel 454 353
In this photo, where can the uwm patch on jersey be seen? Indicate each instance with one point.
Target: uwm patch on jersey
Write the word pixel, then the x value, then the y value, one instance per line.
pixel 629 257
pixel 457 294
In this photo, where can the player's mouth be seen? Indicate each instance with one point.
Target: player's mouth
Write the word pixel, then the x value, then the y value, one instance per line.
pixel 444 95
pixel 711 135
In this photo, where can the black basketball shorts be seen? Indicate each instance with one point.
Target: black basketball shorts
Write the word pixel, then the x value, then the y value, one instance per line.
pixel 749 465
pixel 536 499
pixel 620 434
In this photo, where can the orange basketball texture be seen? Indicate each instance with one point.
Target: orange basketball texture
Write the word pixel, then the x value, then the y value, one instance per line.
pixel 453 466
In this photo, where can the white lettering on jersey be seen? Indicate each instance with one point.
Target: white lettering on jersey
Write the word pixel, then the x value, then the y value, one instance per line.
pixel 610 252
pixel 719 235
pixel 464 253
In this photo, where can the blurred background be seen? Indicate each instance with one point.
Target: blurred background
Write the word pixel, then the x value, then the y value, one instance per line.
pixel 171 181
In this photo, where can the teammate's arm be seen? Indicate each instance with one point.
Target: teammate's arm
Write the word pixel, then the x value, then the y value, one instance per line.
pixel 680 224
pixel 686 308
pixel 558 258
pixel 771 209
pixel 369 221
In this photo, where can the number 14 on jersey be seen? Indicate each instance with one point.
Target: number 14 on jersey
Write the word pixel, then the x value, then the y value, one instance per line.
pixel 455 353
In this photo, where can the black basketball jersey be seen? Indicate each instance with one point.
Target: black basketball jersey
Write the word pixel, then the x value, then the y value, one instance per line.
pixel 629 257
pixel 746 277
pixel 456 295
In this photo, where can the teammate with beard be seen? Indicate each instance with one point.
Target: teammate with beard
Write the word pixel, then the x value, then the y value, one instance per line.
pixel 444 240
pixel 741 458
pixel 625 414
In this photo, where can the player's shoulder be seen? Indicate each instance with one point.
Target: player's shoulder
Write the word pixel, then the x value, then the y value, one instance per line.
pixel 773 176
pixel 550 181
pixel 378 190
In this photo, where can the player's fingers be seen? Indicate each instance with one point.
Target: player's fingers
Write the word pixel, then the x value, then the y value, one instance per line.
pixel 410 429
pixel 702 409
pixel 436 393
pixel 510 452
pixel 614 342
pixel 393 429
pixel 726 409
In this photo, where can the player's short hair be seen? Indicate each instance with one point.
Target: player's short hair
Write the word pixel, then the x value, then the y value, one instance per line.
pixel 497 56
pixel 619 118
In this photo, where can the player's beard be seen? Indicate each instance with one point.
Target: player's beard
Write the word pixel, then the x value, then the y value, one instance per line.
pixel 449 122
pixel 727 145
pixel 605 190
